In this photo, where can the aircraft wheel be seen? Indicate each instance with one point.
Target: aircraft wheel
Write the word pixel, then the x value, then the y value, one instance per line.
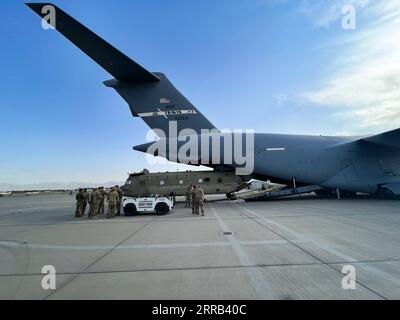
pixel 385 193
pixel 325 193
pixel 161 209
pixel 347 194
pixel 130 209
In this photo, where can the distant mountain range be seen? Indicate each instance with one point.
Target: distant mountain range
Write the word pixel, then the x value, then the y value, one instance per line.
pixel 4 187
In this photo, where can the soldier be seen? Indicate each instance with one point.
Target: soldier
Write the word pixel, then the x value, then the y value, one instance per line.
pixel 91 200
pixel 85 201
pixel 103 194
pixel 99 199
pixel 199 201
pixel 193 198
pixel 188 196
pixel 120 196
pixel 80 198
pixel 112 199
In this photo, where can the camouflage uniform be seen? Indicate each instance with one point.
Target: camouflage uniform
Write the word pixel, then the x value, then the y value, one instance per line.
pixel 91 201
pixel 85 201
pixel 193 199
pixel 188 195
pixel 112 203
pixel 103 194
pixel 80 198
pixel 99 198
pixel 199 200
pixel 119 202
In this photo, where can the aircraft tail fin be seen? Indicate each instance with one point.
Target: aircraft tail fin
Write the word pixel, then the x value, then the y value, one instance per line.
pixel 150 96
pixel 159 104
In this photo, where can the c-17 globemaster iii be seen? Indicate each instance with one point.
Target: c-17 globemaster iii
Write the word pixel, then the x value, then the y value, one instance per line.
pixel 369 164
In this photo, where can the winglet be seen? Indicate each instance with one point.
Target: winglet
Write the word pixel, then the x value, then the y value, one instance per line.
pixel 108 57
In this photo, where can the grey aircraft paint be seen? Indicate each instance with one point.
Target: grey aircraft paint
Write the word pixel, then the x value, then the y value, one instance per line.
pixel 358 164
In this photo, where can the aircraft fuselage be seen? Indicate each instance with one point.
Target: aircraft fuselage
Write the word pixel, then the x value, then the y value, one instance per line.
pixel 331 162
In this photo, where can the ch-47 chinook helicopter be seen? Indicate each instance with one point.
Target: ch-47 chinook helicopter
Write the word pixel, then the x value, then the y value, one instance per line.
pixel 145 184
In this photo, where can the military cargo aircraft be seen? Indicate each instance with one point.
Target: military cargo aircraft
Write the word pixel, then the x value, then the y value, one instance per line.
pixel 145 184
pixel 369 164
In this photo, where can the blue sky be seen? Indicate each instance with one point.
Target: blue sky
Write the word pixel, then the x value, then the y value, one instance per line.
pixel 274 66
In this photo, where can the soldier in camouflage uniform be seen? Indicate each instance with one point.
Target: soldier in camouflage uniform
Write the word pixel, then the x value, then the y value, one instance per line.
pixel 103 194
pixel 120 196
pixel 98 199
pixel 188 195
pixel 91 201
pixel 112 199
pixel 85 202
pixel 199 200
pixel 193 198
pixel 80 198
pixel 95 203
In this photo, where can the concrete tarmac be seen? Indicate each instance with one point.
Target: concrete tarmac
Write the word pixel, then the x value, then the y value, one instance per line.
pixel 283 249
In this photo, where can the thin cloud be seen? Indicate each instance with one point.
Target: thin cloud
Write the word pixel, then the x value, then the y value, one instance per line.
pixel 366 84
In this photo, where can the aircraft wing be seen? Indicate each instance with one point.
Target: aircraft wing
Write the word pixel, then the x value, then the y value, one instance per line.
pixel 389 139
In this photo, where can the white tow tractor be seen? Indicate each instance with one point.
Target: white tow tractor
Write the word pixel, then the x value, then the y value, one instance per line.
pixel 158 205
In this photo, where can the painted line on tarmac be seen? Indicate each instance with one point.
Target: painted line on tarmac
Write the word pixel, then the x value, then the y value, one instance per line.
pixel 193 268
pixel 317 242
pixel 7 243
pixel 320 244
pixel 102 256
pixel 259 283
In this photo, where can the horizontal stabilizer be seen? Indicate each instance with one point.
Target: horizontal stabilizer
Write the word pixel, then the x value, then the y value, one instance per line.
pixel 109 58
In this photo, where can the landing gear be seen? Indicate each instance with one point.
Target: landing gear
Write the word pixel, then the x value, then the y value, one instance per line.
pixel 347 194
pixel 385 193
pixel 325 193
